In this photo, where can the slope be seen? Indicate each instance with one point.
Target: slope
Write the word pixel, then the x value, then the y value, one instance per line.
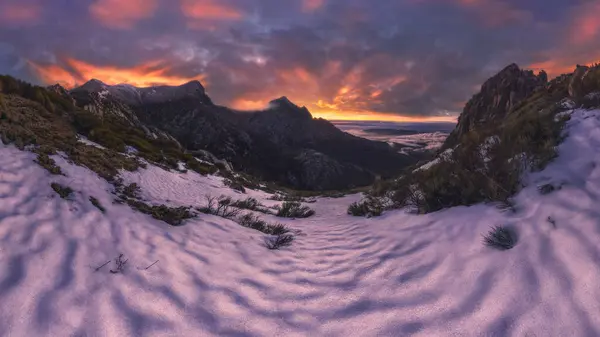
pixel 397 275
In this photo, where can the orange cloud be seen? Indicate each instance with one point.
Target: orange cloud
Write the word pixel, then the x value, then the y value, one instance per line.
pixel 249 105
pixel 203 13
pixel 119 14
pixel 312 5
pixel 77 72
pixel 13 13
pixel 586 23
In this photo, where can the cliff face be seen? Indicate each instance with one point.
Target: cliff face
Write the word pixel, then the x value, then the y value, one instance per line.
pixel 498 95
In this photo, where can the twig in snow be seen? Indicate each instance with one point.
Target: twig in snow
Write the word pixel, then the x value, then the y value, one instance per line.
pixel 98 268
pixel 155 262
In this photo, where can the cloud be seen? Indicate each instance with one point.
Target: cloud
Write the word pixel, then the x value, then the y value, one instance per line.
pixel 19 13
pixel 204 14
pixel 118 14
pixel 386 59
pixel 76 72
pixel 312 5
pixel 585 23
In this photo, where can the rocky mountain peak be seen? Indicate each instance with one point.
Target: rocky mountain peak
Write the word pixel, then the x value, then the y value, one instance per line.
pixel 497 97
pixel 93 85
pixel 283 104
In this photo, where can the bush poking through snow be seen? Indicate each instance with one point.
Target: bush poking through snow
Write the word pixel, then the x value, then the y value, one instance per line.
pixel 97 204
pixel 293 209
pixel 278 241
pixel 174 216
pixel 222 206
pixel 285 197
pixel 251 204
pixel 499 237
pixel 368 207
pixel 547 189
pixel 252 221
pixel 48 163
pixel 63 191
pixel 131 191
pixel 278 229
pixel 119 265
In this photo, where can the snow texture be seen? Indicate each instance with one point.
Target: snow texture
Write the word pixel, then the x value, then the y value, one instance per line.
pixel 395 275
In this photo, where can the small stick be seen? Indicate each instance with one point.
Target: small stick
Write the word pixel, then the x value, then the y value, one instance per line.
pixel 107 262
pixel 155 262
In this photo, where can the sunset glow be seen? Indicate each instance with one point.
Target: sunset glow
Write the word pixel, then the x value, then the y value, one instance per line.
pixel 350 59
pixel 77 72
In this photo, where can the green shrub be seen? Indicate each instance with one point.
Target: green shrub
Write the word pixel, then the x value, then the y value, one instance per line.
pixel 222 206
pixel 279 241
pixel 292 209
pixel 199 167
pixel 252 221
pixel 48 163
pixel 63 191
pixel 131 191
pixel 174 216
pixel 97 204
pixel 501 238
pixel 368 207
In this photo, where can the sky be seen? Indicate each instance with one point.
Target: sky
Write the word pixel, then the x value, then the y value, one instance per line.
pixel 396 60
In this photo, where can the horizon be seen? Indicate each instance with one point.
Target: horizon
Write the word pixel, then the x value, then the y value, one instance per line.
pixel 330 116
pixel 407 60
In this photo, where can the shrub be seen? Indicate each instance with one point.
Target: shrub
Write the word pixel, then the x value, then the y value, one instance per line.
pixel 48 163
pixel 131 191
pixel 199 167
pixel 278 229
pixel 502 238
pixel 368 207
pixel 251 204
pixel 286 197
pixel 252 221
pixel 293 209
pixel 278 241
pixel 119 265
pixel 63 191
pixel 221 206
pixel 97 204
pixel 173 216
pixel 547 189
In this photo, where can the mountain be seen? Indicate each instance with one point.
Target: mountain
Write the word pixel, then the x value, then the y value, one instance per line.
pixel 282 143
pixel 498 95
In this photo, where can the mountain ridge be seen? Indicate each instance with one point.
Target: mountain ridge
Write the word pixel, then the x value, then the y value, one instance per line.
pixel 274 144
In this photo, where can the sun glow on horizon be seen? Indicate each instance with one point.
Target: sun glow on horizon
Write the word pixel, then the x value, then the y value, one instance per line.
pixel 77 72
pixel 380 117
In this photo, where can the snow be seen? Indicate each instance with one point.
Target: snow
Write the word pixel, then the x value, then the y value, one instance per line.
pixel 84 140
pixel 487 145
pixel 395 275
pixel 444 156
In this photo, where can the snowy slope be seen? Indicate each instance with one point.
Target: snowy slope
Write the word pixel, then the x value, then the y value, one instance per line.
pixel 396 275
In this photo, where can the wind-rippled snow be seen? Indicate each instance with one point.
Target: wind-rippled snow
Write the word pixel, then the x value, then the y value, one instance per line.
pixel 395 275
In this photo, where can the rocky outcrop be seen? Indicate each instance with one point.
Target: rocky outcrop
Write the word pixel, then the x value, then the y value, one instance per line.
pixel 497 97
pixel 576 85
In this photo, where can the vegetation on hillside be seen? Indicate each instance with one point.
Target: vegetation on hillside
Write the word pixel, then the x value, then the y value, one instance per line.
pixel 489 162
